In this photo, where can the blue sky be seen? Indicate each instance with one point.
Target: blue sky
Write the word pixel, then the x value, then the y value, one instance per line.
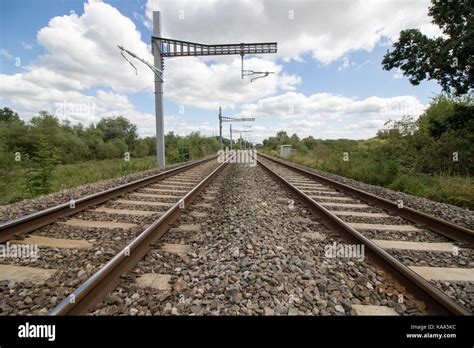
pixel 330 78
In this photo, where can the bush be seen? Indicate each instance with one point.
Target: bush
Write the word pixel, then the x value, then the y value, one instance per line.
pixel 140 149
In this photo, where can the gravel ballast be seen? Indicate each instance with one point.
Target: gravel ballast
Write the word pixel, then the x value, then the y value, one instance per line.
pixel 252 257
pixel 258 252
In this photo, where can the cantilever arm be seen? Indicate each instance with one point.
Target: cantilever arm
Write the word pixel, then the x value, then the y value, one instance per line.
pixel 158 72
pixel 264 73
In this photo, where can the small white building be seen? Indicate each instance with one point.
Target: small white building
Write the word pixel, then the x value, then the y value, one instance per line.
pixel 285 150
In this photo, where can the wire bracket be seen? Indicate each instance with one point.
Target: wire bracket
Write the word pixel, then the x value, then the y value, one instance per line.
pixel 158 72
pixel 253 72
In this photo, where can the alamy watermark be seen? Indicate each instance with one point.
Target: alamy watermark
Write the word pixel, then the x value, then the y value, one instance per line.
pixel 348 251
pixel 19 251
pixel 65 109
pixel 28 330
pixel 237 156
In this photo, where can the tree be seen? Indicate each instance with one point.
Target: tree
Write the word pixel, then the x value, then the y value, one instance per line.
pixel 282 135
pixel 450 59
pixel 13 130
pixel 140 149
pixel 42 165
pixel 8 115
pixel 118 127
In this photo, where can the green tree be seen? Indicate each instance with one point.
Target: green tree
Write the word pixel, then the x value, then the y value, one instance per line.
pixel 118 127
pixel 140 149
pixel 449 59
pixel 8 115
pixel 41 168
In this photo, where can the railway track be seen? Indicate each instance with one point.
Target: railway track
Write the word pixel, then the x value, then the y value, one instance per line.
pixel 396 237
pixel 112 242
pixel 239 254
pixel 96 235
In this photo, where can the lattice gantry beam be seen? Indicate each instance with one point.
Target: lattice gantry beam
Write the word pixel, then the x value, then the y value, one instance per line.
pixel 178 48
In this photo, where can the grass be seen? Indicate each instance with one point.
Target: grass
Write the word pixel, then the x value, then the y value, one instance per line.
pixel 71 175
pixel 455 190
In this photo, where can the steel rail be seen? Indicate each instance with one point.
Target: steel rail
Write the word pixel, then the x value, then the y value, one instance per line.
pixel 44 217
pixel 443 227
pixel 435 297
pixel 101 283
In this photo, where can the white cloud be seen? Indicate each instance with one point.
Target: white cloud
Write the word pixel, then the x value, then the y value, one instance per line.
pixel 327 30
pixel 70 105
pixel 368 124
pixel 81 53
pixel 191 82
pixel 181 126
pixel 326 115
pixel 294 105
pixel 84 49
pixel 47 78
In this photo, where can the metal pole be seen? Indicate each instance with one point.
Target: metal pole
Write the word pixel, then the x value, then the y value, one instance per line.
pixel 158 62
pixel 220 126
pixel 231 136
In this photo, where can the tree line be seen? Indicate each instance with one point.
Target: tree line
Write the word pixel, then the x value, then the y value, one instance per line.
pixel 33 149
pixel 110 138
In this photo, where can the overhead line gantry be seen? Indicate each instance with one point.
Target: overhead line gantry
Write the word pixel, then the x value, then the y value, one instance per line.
pixel 229 119
pixel 171 48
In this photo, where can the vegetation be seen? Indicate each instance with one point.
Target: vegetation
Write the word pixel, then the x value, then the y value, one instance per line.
pixel 432 157
pixel 449 59
pixel 45 155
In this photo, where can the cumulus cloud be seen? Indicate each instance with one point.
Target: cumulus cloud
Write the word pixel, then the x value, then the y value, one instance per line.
pixel 69 105
pixel 191 82
pixel 82 77
pixel 326 30
pixel 292 105
pixel 327 115
pixel 182 126
pixel 81 54
pixel 84 49
pixel 368 124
